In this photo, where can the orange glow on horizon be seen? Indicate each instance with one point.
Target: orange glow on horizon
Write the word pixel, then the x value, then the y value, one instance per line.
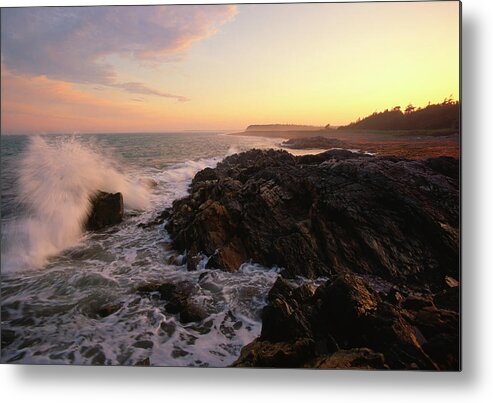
pixel 314 64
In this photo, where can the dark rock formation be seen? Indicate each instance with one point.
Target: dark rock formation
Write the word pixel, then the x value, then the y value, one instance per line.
pixel 325 214
pixel 262 353
pixel 356 358
pixel 383 230
pixel 178 300
pixel 106 209
pixel 313 143
pixel 345 324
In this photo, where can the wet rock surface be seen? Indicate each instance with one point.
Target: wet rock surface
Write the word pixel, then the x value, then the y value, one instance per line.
pixel 382 231
pixel 178 300
pixel 324 214
pixel 106 210
pixel 346 324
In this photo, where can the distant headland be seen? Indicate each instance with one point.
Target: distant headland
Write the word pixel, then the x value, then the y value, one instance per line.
pixel 412 132
pixel 434 119
pixel 282 128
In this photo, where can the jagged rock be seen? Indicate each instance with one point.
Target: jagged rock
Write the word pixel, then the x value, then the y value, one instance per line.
pixel 444 349
pixel 451 282
pixel 325 214
pixel 346 324
pixel 347 298
pixel 394 296
pixel 448 299
pixel 432 321
pixel 356 358
pixel 106 209
pixel 275 355
pixel 285 318
pixel 383 230
pixel 416 302
pixel 356 317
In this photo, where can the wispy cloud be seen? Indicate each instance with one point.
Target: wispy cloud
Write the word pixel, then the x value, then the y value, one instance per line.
pixel 72 43
pixel 139 88
pixel 34 104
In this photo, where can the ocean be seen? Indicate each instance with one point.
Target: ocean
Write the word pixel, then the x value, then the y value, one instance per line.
pixel 55 276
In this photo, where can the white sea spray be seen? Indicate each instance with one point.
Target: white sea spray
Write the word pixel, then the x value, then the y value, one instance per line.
pixel 56 183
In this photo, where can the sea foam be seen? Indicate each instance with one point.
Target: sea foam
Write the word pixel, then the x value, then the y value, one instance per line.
pixel 56 182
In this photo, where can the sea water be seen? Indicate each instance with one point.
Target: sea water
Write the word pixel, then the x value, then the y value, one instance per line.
pixel 55 276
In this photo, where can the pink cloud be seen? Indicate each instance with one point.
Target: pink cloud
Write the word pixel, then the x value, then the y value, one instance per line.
pixel 39 104
pixel 139 88
pixel 71 43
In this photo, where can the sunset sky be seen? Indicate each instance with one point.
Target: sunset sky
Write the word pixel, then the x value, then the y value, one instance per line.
pixel 162 68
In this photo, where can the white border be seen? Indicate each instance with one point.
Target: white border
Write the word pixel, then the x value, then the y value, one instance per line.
pixel 119 384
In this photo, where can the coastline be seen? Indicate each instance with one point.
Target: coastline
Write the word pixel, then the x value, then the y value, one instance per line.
pixel 393 302
pixel 409 145
pixel 281 203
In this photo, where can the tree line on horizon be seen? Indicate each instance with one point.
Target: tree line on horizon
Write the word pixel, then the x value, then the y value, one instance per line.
pixel 445 115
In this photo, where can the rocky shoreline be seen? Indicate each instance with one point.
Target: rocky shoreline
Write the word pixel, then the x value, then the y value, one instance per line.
pixel 382 231
pixel 345 323
pixel 317 142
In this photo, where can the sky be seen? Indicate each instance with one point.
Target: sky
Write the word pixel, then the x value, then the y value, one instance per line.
pixel 221 67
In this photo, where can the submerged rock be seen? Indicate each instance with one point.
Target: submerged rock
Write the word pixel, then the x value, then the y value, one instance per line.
pixel 178 300
pixel 106 210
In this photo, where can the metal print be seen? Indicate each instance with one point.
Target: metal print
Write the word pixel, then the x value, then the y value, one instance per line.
pixel 251 185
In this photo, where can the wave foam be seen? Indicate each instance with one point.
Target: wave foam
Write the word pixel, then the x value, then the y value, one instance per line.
pixel 56 183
